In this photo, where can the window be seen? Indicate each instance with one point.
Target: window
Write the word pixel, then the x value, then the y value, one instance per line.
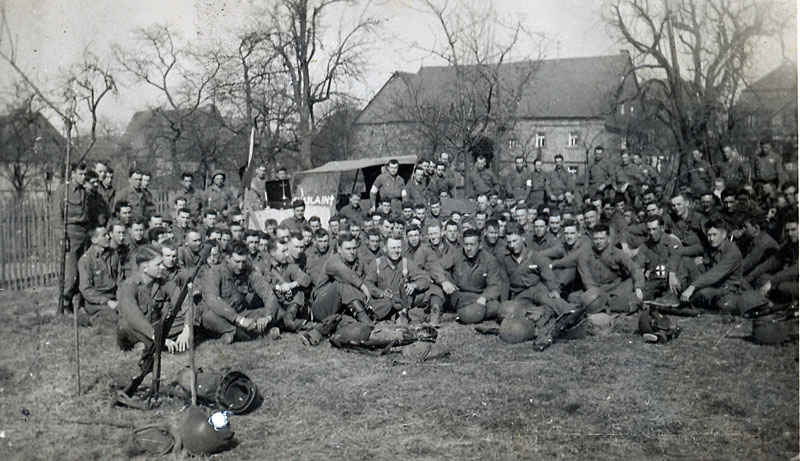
pixel 572 141
pixel 622 109
pixel 750 121
pixel 512 144
pixel 539 140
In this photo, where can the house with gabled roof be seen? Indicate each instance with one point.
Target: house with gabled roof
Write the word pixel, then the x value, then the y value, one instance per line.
pixel 567 107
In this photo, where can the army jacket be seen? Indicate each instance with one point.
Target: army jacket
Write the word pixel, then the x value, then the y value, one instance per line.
pixel 226 293
pixel 527 270
pixel 608 268
pixel 479 275
pixel 98 270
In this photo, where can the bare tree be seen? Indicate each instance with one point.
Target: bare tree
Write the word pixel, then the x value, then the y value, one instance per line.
pixel 182 75
pixel 315 67
pixel 489 62
pixel 691 58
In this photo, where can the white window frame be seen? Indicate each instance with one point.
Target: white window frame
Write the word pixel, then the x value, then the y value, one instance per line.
pixel 573 138
pixel 539 140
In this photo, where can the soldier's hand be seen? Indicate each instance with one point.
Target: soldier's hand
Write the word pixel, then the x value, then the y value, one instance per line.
pixel 765 288
pixel 261 324
pixel 112 304
pixel 481 301
pixel 183 339
pixel 386 293
pixel 448 287
pixel 410 287
pixel 365 290
pixel 639 294
pixel 246 323
pixel 687 293
pixel 553 294
pixel 674 283
pixel 171 345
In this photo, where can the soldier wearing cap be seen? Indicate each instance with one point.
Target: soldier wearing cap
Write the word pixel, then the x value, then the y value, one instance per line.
pixel 778 278
pixel 344 289
pixel 417 188
pixel 194 198
pixel 217 196
pixel 659 259
pixel 600 173
pixel 517 179
pixel 480 179
pixel 537 182
pixel 470 279
pixel 353 210
pixel 388 185
pixel 757 246
pixel 559 181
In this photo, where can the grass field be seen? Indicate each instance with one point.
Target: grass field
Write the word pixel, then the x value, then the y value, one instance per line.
pixel 707 395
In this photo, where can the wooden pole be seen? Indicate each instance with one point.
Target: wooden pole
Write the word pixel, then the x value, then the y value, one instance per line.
pixel 192 364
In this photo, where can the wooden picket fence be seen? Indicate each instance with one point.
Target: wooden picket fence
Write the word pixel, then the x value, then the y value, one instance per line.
pixel 30 243
pixel 31 233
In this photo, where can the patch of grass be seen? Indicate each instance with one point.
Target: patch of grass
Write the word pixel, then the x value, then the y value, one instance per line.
pixel 615 397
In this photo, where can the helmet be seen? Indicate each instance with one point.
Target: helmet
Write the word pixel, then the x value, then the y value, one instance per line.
pixel 601 323
pixel 471 313
pixel 769 329
pixel 514 330
pixel 199 436
pixel 225 389
pixel 511 308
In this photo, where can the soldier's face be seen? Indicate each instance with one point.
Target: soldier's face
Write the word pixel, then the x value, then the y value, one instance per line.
pixel 108 179
pixel 440 170
pixel 236 263
pixel 519 164
pixel 480 162
pixel 492 234
pixel 408 213
pixel 210 220
pixel 413 238
pixel 471 246
pixel 392 169
pixel 521 215
pixel 707 202
pixel 600 240
pixel 193 241
pixel 537 165
pixel 570 235
pixel 394 248
pixel 225 240
pixel 102 239
pixel 355 230
pixel 386 228
pixel 252 244
pixel 419 174
pixel 480 220
pixel 334 227
pixel 436 209
pixel 118 235
pixel 213 256
pixel 169 257
pixel 451 233
pixel 654 231
pixel 348 250
pixel 182 220
pixel 514 243
pixel 590 218
pixel 323 243
pixel 559 162
pixel 419 213
pixel 555 224
pixel 187 182
pixel 386 207
pixel 137 232
pixel 135 180
pixel 219 180
pixel 315 225
pixel 539 228
pixel 145 181
pixel 355 201
pixel 678 205
pixel 791 231
pixel 791 194
pixel 374 242
pixel 296 248
pixel 434 235
pixel 716 236
pixel 299 212
pixel 281 253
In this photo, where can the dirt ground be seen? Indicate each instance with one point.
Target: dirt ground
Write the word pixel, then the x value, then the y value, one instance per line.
pixel 708 395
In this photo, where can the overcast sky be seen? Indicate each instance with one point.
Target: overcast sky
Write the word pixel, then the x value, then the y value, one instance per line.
pixel 52 34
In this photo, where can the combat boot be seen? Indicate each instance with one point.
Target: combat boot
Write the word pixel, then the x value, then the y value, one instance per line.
pixel 436 314
pixel 359 312
pixel 402 318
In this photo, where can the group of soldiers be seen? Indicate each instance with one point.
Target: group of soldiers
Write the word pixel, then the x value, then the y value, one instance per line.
pixel 718 241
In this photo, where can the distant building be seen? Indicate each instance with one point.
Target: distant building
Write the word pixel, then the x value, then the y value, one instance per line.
pixel 568 107
pixel 31 152
pixel 167 142
pixel 767 109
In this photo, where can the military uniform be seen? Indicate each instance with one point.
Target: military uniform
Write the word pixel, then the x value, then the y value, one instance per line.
pixel 99 270
pixel 391 188
pixel 474 278
pixel 140 201
pixel 416 193
pixel 531 279
pixel 293 224
pixel 194 200
pixel 547 245
pixel 734 172
pixel 716 276
pixel 698 176
pixel 342 287
pixel 558 182
pixel 353 214
pixel 614 275
pixel 757 250
pixel 384 274
pixel 479 182
pixel 77 221
pixel 768 168
pixel 600 174
pixel 657 260
pixel 220 199
pixel 289 304
pixel 517 182
pixel 226 296
pixel 439 184
pixel 538 187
